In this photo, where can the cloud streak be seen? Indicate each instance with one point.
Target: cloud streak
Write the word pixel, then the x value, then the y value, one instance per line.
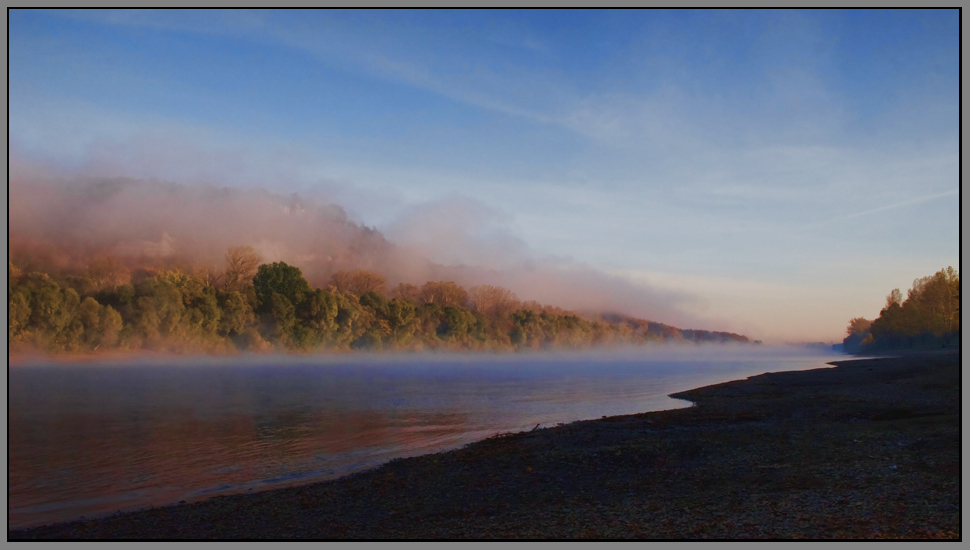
pixel 911 202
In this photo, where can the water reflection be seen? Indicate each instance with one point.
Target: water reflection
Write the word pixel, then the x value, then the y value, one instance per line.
pixel 87 440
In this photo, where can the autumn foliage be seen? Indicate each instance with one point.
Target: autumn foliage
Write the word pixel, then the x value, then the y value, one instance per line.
pixel 928 317
pixel 246 305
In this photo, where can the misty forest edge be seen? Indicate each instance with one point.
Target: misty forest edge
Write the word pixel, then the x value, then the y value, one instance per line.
pixel 249 306
pixel 253 307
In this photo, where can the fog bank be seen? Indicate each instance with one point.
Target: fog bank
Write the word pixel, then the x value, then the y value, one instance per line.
pixel 70 218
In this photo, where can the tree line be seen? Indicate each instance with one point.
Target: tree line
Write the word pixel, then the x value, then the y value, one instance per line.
pixel 929 317
pixel 253 306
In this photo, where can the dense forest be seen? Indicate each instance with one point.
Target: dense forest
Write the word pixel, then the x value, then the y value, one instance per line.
pixel 250 306
pixel 929 317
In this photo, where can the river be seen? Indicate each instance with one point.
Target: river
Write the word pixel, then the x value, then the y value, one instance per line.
pixel 92 438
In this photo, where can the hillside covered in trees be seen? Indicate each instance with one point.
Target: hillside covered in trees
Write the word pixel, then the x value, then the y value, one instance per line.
pixel 247 305
pixel 929 317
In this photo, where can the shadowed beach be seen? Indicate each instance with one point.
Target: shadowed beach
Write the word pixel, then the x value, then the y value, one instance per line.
pixel 867 449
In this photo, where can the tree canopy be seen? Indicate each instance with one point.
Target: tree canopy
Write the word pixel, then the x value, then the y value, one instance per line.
pixel 279 278
pixel 110 305
pixel 928 317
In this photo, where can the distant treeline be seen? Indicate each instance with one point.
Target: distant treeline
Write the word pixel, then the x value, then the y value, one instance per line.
pixel 261 307
pixel 929 317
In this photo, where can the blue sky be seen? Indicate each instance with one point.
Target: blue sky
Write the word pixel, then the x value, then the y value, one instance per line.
pixel 783 170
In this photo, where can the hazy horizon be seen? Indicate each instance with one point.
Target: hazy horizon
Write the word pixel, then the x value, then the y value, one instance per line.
pixel 769 173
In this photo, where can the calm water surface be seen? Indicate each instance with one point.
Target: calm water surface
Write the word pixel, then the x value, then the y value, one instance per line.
pixel 90 439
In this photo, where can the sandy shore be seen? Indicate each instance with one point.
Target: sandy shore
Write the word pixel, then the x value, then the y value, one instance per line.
pixel 868 449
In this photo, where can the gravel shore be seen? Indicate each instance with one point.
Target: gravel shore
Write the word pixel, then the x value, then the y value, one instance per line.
pixel 867 449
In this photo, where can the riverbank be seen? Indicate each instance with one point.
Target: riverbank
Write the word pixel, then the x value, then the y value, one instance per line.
pixel 868 449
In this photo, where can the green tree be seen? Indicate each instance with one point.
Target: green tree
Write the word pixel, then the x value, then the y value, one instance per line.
pixel 202 317
pixel 90 313
pixel 318 312
pixel 13 277
pixel 282 279
pixel 394 320
pixel 456 324
pixel 18 315
pixel 126 294
pixel 82 284
pixel 526 329
pixel 236 316
pixel 377 303
pixel 102 324
pixel 111 326
pixel 282 316
pixel 53 318
pixel 428 317
pixel 353 322
pixel 400 313
pixel 146 321
pixel 168 304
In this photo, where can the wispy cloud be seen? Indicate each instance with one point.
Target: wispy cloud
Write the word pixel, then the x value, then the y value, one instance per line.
pixel 901 204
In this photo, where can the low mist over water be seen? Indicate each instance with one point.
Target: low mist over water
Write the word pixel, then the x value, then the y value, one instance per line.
pixel 88 439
